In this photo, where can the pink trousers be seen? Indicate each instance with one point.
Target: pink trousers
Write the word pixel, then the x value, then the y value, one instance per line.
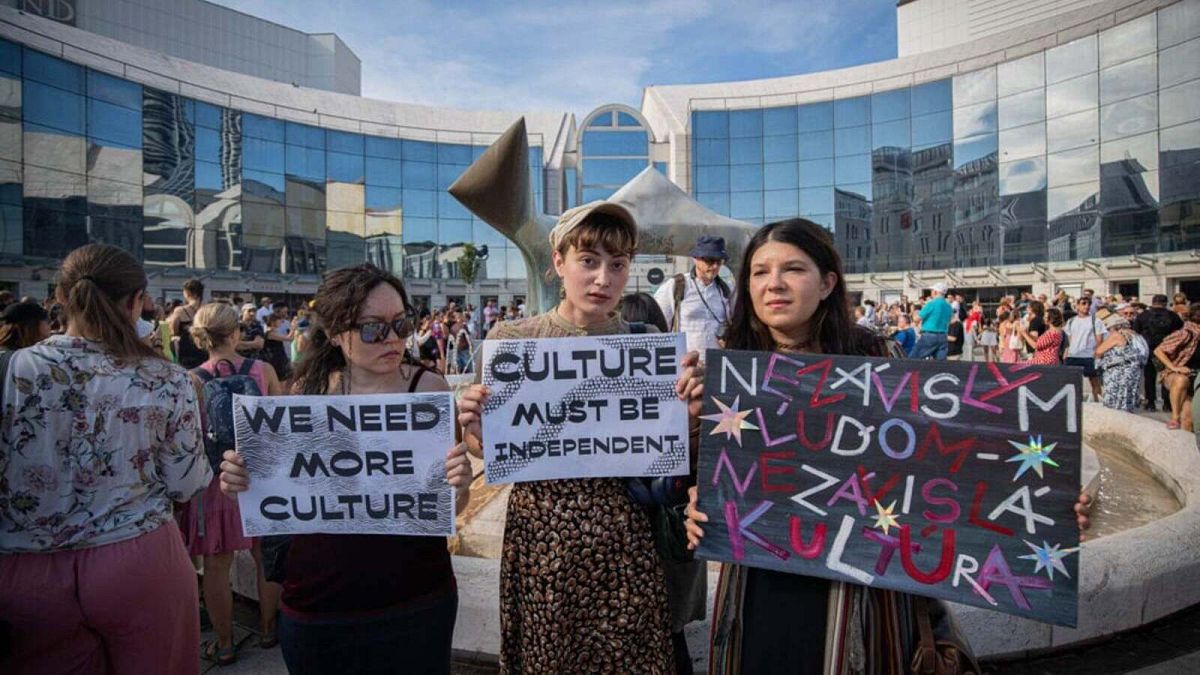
pixel 128 607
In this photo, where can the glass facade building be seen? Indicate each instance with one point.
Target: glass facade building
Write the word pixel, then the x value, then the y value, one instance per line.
pixel 89 157
pixel 1085 150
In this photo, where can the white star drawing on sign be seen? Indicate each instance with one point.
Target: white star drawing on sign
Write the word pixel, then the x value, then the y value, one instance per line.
pixel 730 420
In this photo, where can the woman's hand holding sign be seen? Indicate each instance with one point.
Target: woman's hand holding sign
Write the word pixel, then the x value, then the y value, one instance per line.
pixel 458 474
pixel 470 417
pixel 234 477
pixel 690 385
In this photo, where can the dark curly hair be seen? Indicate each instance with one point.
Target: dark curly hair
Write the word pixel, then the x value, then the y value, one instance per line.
pixel 337 304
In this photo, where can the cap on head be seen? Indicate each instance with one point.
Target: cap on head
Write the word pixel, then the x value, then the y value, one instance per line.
pixel 708 246
pixel 939 288
pixel 249 306
pixel 571 219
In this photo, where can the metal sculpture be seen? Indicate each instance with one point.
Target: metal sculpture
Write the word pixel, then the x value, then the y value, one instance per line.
pixel 497 188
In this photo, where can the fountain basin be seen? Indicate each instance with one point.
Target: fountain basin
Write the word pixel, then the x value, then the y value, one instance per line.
pixel 1127 578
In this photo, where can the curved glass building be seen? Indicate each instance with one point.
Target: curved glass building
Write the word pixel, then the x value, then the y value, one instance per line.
pixel 1061 150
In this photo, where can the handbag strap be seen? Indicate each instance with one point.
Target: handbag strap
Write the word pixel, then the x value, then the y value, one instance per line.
pixel 925 658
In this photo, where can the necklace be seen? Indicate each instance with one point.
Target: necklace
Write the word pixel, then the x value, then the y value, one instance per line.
pixel 803 345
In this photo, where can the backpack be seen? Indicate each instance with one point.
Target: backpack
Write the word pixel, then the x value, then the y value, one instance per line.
pixel 681 288
pixel 189 355
pixel 1159 324
pixel 218 394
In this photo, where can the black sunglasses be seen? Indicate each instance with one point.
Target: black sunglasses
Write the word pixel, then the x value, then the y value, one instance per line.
pixel 373 332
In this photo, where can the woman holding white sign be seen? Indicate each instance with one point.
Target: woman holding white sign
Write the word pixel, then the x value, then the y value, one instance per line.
pixel 792 298
pixel 351 602
pixel 581 587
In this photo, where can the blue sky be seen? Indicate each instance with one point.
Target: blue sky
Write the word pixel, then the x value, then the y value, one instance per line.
pixel 572 56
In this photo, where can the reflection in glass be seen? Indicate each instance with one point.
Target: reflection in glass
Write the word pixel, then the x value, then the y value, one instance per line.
pixel 1022 109
pixel 852 225
pixel 1072 131
pixel 1179 162
pixel 780 148
pixel 1179 104
pixel 816 200
pixel 1026 175
pixel 710 124
pixel 1128 79
pixel 711 179
pixel 891 134
pixel 814 116
pixel 933 207
pixel 931 97
pixel 780 175
pixel 745 150
pixel 1179 64
pixel 615 143
pixel 890 105
pixel 975 119
pixel 852 141
pixel 52 109
pixel 852 112
pixel 746 205
pixel 711 151
pixel 1129 117
pixel 1143 149
pixel 1073 166
pixel 780 121
pixel 780 204
pixel 852 169
pixel 39 67
pixel 746 178
pixel 1128 40
pixel 1023 74
pixel 891 189
pixel 932 129
pixel 969 150
pixel 1074 222
pixel 1021 142
pixel 1071 60
pixel 1177 23
pixel 815 172
pixel 745 123
pixel 975 87
pixel 1071 96
pixel 816 144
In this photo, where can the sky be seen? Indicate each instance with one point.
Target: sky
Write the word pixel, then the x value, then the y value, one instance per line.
pixel 570 56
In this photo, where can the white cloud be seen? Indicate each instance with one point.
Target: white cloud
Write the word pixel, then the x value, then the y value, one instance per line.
pixel 569 56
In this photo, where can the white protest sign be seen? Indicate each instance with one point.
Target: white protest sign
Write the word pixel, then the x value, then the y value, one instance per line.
pixel 584 407
pixel 370 464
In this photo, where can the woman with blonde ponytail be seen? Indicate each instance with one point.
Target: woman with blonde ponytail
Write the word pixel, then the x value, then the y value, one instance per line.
pixel 99 434
pixel 212 524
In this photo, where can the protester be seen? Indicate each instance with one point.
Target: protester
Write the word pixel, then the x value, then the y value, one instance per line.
pixel 988 340
pixel 186 351
pixel 299 335
pixel 103 436
pixel 792 298
pixel 687 581
pixel 460 348
pixel 697 304
pixel 6 299
pixel 935 318
pixel 1084 332
pixel 264 311
pixel 971 330
pixel 1034 323
pixel 1121 357
pixel 278 342
pixel 1180 358
pixel 356 602
pixel 252 338
pixel 1155 324
pixel 1010 337
pixel 211 524
pixel 553 620
pixel 954 339
pixel 23 324
pixel 905 336
pixel 1047 348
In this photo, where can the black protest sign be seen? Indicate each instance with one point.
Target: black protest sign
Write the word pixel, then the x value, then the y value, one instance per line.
pixel 945 479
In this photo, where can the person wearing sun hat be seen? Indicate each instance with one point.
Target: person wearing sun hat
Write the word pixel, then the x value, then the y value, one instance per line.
pixel 935 320
pixel 697 303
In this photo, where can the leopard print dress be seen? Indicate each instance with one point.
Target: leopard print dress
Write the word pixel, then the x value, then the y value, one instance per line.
pixel 581 586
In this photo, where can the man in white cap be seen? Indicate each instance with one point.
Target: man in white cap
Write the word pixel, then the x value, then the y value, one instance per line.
pixel 935 319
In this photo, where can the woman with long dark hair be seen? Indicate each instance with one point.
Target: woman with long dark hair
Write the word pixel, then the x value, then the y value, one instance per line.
pixel 791 297
pixel 356 602
pixel 23 324
pixel 99 434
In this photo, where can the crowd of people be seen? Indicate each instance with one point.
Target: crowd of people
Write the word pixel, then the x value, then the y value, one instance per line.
pixel 1132 354
pixel 114 473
